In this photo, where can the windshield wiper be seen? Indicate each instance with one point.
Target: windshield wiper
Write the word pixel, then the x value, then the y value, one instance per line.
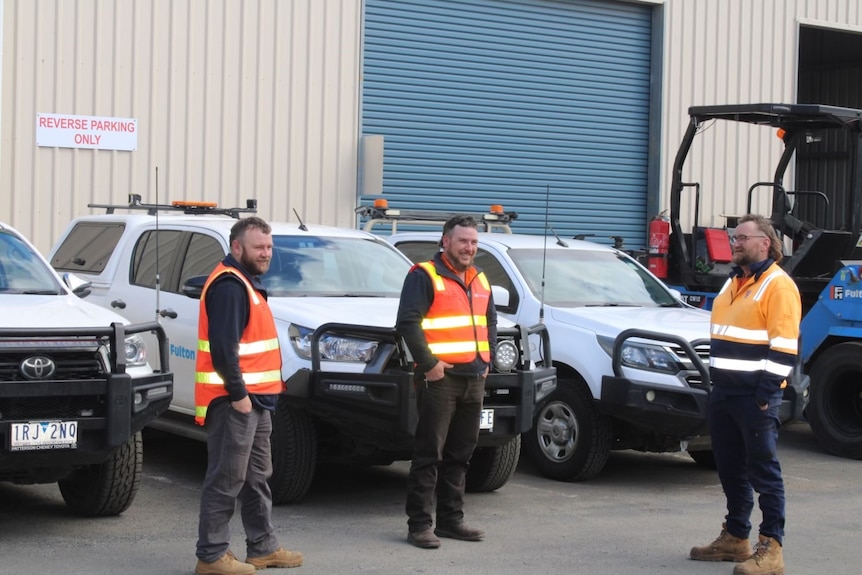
pixel 39 292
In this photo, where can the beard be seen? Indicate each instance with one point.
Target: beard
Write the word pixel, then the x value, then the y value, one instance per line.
pixel 743 259
pixel 457 263
pixel 256 267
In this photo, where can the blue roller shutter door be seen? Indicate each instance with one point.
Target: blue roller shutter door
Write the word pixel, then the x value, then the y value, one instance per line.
pixel 515 102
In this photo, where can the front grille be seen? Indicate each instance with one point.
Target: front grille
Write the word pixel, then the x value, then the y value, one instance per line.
pixel 70 365
pixel 55 407
pixel 701 348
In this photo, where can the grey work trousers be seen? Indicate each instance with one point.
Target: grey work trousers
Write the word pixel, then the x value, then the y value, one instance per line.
pixel 446 435
pixel 238 466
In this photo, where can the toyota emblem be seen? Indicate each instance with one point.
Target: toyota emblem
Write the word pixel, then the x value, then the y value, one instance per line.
pixel 38 367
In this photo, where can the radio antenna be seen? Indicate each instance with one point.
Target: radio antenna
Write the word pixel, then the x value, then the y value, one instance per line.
pixel 158 240
pixel 544 256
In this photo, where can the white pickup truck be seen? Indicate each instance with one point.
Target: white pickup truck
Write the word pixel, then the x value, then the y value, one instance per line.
pixel 334 294
pixel 631 357
pixel 587 295
pixel 76 385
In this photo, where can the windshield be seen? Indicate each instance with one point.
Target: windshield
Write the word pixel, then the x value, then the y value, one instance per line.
pixel 21 269
pixel 585 277
pixel 314 266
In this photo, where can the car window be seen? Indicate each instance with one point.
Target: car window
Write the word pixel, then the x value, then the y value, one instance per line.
pixel 21 269
pixel 147 251
pixel 497 276
pixel 588 277
pixel 334 266
pixel 418 251
pixel 202 256
pixel 88 247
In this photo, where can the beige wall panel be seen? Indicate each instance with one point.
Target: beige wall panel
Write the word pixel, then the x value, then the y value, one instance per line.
pixel 733 52
pixel 234 99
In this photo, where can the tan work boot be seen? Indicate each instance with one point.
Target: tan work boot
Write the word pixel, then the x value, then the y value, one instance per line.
pixel 726 547
pixel 281 557
pixel 767 559
pixel 227 564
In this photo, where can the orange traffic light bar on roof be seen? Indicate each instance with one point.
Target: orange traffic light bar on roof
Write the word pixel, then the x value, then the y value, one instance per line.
pixel 496 219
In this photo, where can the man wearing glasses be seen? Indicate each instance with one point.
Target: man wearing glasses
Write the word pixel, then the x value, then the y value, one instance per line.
pixel 755 331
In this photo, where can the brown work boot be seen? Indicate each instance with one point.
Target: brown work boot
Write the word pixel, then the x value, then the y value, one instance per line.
pixel 227 564
pixel 726 547
pixel 281 557
pixel 424 539
pixel 767 559
pixel 459 531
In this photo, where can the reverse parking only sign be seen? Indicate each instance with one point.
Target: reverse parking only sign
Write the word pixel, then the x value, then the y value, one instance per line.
pixel 91 132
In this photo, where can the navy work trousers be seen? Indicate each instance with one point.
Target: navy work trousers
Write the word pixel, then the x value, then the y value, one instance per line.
pixel 239 463
pixel 446 435
pixel 744 445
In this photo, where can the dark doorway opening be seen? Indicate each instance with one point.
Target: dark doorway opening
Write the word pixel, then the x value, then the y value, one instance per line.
pixel 830 72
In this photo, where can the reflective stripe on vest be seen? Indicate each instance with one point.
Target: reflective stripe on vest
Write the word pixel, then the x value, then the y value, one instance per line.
pixel 245 348
pixel 259 351
pixel 456 326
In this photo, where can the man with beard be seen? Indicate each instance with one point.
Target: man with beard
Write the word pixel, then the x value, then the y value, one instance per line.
pixel 755 334
pixel 237 384
pixel 447 318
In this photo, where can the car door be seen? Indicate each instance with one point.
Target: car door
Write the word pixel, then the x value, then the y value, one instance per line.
pixel 146 296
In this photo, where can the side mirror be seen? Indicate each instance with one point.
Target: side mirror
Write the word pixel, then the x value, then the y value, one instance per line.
pixel 79 286
pixel 501 296
pixel 194 286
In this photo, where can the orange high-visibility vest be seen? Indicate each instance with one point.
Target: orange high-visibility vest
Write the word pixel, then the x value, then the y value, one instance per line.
pixel 259 353
pixel 456 327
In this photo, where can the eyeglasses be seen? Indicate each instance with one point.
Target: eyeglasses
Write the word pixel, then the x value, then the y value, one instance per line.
pixel 741 239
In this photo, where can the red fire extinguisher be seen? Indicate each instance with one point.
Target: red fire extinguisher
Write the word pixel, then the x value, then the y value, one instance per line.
pixel 659 242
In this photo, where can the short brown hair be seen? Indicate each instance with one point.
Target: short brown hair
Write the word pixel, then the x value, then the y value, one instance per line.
pixel 460 220
pixel 765 225
pixel 244 224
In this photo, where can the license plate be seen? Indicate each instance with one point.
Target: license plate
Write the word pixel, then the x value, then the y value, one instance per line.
pixel 486 420
pixel 43 435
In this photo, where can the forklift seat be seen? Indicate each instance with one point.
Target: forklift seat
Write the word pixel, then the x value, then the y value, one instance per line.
pixel 818 254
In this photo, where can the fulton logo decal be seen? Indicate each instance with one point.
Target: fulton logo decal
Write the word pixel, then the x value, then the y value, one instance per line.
pixel 38 367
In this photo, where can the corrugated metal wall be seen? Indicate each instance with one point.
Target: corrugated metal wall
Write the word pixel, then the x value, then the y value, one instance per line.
pixel 233 100
pixel 727 52
pixel 261 98
pixel 517 102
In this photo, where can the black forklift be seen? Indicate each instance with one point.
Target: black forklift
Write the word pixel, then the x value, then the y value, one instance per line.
pixel 821 219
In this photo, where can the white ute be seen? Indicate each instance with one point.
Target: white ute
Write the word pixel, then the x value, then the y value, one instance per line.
pixel 76 385
pixel 592 299
pixel 334 294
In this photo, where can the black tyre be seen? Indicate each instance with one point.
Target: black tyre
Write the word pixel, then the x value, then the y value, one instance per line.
pixel 835 407
pixel 294 454
pixel 704 458
pixel 491 467
pixel 570 440
pixel 109 487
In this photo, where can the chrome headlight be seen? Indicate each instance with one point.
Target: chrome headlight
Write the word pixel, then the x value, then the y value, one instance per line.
pixel 332 348
pixel 643 355
pixel 506 355
pixel 136 351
